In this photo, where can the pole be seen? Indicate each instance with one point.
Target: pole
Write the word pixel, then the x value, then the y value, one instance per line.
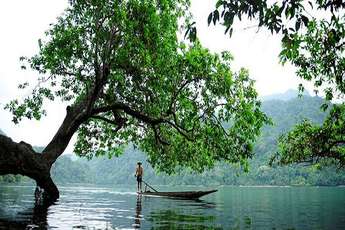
pixel 149 187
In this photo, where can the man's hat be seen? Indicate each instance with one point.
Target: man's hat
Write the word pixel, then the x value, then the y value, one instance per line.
pixel 139 163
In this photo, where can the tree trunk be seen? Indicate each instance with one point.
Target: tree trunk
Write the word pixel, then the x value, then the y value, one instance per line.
pixel 20 158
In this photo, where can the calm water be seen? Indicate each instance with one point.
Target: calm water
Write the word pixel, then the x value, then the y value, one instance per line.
pixel 86 207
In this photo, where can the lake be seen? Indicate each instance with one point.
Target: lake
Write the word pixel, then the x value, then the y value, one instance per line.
pixel 90 207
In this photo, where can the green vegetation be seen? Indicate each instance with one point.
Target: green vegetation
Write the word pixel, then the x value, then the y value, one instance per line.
pixel 313 39
pixel 316 142
pixel 312 35
pixel 10 178
pixel 129 79
pixel 285 114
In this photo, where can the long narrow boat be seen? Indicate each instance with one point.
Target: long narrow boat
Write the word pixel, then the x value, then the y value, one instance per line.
pixel 185 194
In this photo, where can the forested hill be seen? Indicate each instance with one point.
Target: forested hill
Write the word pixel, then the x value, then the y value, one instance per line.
pixel 284 113
pixel 288 95
pixel 1 132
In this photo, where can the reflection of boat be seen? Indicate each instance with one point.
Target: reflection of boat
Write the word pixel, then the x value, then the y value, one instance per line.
pixel 184 194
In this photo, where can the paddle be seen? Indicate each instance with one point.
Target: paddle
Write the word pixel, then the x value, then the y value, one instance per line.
pixel 147 185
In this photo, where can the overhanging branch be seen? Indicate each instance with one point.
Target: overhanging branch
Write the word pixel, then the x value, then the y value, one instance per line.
pixel 142 117
pixel 112 122
pixel 128 110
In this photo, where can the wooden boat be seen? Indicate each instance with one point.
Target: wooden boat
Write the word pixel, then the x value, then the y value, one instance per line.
pixel 184 194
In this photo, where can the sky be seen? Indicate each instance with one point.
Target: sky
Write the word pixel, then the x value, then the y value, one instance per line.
pixel 22 23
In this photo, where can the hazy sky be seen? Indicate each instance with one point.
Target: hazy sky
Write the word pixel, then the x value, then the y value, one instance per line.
pixel 23 22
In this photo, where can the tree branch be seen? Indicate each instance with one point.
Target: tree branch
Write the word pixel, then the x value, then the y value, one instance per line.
pixel 128 110
pixel 118 126
pixel 179 129
pixel 157 136
pixel 140 116
pixel 105 119
pixel 220 124
pixel 75 116
pixel 175 94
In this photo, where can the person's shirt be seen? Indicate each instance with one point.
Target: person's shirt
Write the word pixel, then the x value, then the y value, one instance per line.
pixel 139 171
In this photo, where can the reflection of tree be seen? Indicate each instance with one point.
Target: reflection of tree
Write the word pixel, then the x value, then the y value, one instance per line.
pixel 137 212
pixel 35 217
pixel 175 219
pixel 245 223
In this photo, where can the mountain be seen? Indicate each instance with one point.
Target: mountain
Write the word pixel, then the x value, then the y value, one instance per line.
pixel 2 133
pixel 288 95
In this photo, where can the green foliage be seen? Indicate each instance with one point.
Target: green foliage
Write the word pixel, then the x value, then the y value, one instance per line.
pixel 313 39
pixel 137 83
pixel 313 35
pixel 67 171
pixel 10 178
pixel 308 142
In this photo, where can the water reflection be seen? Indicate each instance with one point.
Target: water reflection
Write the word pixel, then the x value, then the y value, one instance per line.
pixel 230 208
pixel 172 219
pixel 138 215
pixel 31 218
pixel 172 213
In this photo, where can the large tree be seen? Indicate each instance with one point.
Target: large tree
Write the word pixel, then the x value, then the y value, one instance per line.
pixel 128 78
pixel 313 39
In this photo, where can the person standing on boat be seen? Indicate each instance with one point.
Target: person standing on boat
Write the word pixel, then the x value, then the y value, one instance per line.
pixel 139 172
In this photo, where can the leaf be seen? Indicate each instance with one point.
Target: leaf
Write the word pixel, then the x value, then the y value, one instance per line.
pixel 192 34
pixel 219 3
pixel 187 32
pixel 230 33
pixel 301 88
pixel 305 20
pixel 297 25
pixel 329 94
pixel 324 107
pixel 209 19
pixel 40 43
pixel 227 29
pixel 215 16
pixel 311 4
